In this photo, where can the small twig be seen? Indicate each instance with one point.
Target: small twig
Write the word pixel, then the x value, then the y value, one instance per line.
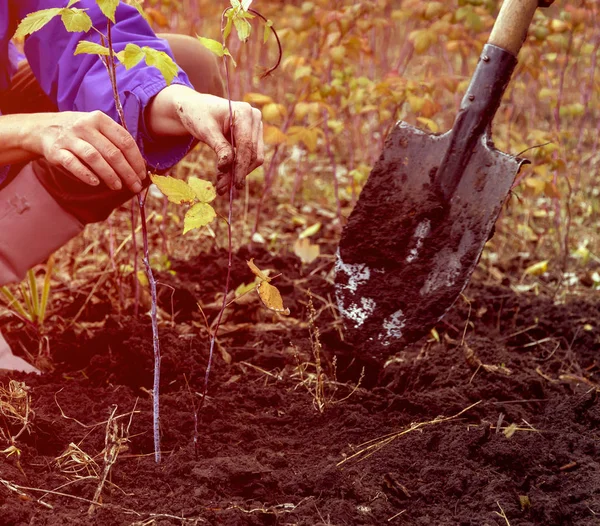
pixel 372 446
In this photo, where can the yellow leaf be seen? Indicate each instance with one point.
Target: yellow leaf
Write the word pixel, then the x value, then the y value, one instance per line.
pixel 257 98
pixel 271 297
pixel 257 272
pixel 431 124
pixel 177 191
pixel 306 251
pixel 204 190
pixel 273 135
pixel 244 288
pixel 310 231
pixel 537 269
pixel 142 278
pixel 274 113
pixel 198 216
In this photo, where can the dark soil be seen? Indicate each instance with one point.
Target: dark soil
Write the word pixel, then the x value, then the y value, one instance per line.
pixel 266 455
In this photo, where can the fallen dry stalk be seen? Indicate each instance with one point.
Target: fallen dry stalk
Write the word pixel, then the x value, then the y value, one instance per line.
pixel 15 409
pixel 115 442
pixel 372 446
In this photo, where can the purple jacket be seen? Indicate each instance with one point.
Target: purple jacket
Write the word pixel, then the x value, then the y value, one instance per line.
pixel 80 83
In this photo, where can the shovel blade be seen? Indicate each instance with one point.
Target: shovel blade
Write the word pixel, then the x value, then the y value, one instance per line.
pixel 405 256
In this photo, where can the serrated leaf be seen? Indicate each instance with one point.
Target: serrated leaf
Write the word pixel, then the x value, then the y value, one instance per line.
pixel 76 20
pixel 131 56
pixel 108 7
pixel 35 21
pixel 271 297
pixel 204 190
pixel 306 251
pixel 257 272
pixel 161 61
pixel 198 216
pixel 177 191
pixel 91 48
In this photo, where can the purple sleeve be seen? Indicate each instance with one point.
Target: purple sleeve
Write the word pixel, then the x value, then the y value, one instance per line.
pixel 80 83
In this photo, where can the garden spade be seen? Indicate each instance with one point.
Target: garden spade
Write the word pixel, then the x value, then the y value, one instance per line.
pixel 428 208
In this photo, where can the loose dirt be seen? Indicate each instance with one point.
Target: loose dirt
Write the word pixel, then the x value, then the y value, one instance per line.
pixel 524 452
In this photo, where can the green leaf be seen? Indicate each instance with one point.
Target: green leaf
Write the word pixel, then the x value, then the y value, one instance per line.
pixel 310 231
pixel 72 3
pixel 35 21
pixel 140 8
pixel 131 56
pixel 243 28
pixel 91 48
pixel 76 20
pixel 108 7
pixel 177 191
pixel 227 31
pixel 214 46
pixel 268 26
pixel 198 216
pixel 161 61
pixel 204 190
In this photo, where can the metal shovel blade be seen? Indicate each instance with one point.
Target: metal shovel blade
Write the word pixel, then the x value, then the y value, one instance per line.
pixel 406 253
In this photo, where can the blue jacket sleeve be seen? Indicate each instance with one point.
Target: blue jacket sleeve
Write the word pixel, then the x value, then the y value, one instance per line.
pixel 81 83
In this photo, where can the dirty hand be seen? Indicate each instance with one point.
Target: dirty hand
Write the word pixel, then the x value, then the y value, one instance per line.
pixel 91 146
pixel 178 110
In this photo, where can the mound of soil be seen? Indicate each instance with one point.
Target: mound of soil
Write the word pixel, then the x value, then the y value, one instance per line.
pixel 494 424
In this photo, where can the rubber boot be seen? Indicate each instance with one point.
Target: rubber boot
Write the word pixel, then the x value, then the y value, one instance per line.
pixel 10 362
pixel 32 226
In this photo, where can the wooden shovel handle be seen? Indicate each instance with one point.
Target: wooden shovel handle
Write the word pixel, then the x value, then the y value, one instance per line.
pixel 511 26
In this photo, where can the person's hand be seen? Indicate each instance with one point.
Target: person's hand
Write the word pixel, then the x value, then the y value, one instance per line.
pixel 178 110
pixel 91 146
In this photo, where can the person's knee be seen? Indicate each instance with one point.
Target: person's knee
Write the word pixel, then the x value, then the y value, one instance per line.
pixel 202 66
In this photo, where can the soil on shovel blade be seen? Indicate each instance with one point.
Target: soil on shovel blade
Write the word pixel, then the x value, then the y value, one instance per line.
pixel 494 424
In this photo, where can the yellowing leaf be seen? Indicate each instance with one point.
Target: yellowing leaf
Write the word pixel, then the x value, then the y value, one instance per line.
pixel 198 216
pixel 243 27
pixel 91 48
pixel 271 297
pixel 108 7
pixel 257 98
pixel 268 26
pixel 213 46
pixel 35 21
pixel 177 191
pixel 131 56
pixel 306 251
pixel 537 269
pixel 273 135
pixel 76 20
pixel 204 190
pixel 257 272
pixel 142 278
pixel 431 124
pixel 161 61
pixel 310 231
pixel 274 113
